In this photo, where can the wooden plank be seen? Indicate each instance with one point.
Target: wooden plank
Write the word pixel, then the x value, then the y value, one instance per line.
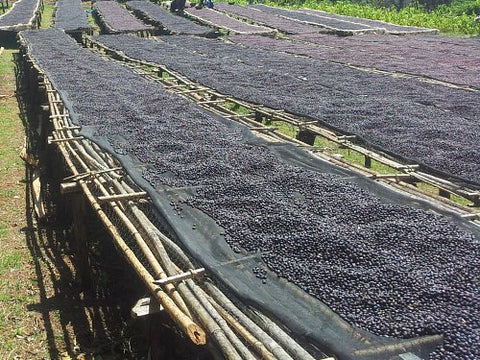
pixel 179 277
pixel 471 216
pixel 390 176
pixel 69 187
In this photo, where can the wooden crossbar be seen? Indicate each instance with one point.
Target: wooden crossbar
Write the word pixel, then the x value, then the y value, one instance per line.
pixel 74 138
pixel 120 197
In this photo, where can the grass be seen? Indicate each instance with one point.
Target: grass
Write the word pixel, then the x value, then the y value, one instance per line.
pixel 47 15
pixel 43 314
pixel 91 18
pixel 10 261
pixel 331 148
pixel 23 276
pixel 15 258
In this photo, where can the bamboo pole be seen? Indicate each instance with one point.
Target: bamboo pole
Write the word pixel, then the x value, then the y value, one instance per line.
pixel 159 271
pixel 212 320
pixel 166 263
pixel 203 312
pixel 146 250
pixel 158 242
pixel 214 328
pixel 195 333
pixel 124 196
pixel 239 345
pixel 270 344
pixel 255 343
pixel 282 337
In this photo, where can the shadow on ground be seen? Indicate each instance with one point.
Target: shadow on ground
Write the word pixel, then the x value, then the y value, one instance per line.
pixel 83 313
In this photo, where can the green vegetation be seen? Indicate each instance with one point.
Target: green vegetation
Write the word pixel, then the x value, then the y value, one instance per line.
pixel 10 261
pixel 47 16
pixel 15 258
pixel 91 19
pixel 456 18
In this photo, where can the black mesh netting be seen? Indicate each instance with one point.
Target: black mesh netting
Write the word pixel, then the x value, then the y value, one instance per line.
pixel 429 124
pixel 393 269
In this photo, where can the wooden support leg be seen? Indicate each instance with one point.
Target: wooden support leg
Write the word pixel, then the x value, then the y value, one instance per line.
pixel 80 233
pixel 258 117
pixel 476 202
pixel 368 162
pixel 306 136
pixel 160 338
pixel 444 193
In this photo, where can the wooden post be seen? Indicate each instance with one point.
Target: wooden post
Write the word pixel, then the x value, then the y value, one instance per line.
pixel 258 117
pixel 444 193
pixel 306 136
pixel 368 162
pixel 80 235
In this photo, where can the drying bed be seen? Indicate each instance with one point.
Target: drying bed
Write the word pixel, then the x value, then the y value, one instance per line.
pixel 281 24
pixel 162 18
pixel 105 185
pixel 387 27
pixel 117 19
pixel 384 265
pixel 401 116
pixel 453 60
pixel 21 16
pixel 339 26
pixel 437 57
pixel 223 21
pixel 70 16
